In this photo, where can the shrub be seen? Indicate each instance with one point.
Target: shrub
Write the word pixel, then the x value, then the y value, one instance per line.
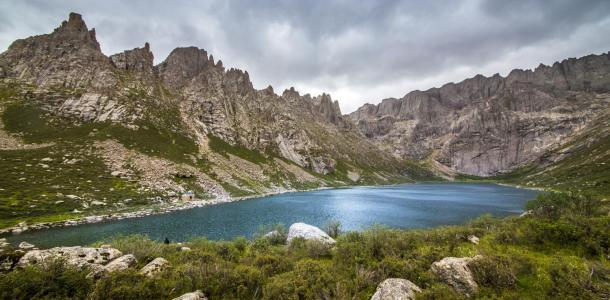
pixel 333 228
pixel 569 281
pixel 279 238
pixel 53 281
pixel 494 271
pixel 140 246
pixel 309 280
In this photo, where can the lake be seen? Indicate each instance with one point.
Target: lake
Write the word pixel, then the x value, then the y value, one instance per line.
pixel 397 206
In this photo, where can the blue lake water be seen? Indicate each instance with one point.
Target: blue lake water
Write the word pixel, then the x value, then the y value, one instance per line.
pixel 398 206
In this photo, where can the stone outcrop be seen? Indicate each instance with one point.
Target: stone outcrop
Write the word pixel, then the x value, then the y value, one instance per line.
pixel 75 256
pixel 456 273
pixel 139 60
pixel 122 263
pixel 26 246
pixel 490 125
pixel 196 295
pixel 308 232
pixel 396 289
pixel 154 267
pixel 70 56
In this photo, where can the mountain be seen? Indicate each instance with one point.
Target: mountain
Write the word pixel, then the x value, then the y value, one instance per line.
pixel 488 126
pixel 83 133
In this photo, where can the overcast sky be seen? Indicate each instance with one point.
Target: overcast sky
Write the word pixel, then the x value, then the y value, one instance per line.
pixel 358 51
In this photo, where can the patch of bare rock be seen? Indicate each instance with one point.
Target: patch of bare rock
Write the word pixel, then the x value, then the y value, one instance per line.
pixel 455 272
pixel 152 173
pixel 155 267
pixel 396 289
pixel 99 260
pixel 196 295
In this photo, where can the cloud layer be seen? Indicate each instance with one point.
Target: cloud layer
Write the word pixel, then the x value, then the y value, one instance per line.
pixel 358 51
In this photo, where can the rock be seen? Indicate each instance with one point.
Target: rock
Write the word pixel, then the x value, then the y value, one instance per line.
pixel 271 234
pixel 396 289
pixel 3 243
pixel 185 249
pixel 72 197
pixel 483 125
pixel 155 266
pixel 116 173
pixel 76 256
pixel 308 232
pixel 122 263
pixel 196 295
pixel 26 246
pixel 456 273
pixel 473 239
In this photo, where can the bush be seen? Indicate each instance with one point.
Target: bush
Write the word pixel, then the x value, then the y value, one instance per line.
pixel 279 238
pixel 53 281
pixel 309 280
pixel 333 228
pixel 494 271
pixel 553 205
pixel 570 281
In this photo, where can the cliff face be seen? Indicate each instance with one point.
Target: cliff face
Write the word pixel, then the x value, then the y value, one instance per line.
pixel 489 125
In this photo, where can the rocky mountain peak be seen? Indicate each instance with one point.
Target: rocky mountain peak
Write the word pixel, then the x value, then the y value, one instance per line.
pixel 137 59
pixel 183 64
pixel 70 56
pixel 76 29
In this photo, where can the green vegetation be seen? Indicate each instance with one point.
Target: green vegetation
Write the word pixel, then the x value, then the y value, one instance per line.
pixel 558 251
pixel 221 147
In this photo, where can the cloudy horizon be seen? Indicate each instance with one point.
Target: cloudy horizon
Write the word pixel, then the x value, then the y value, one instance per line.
pixel 358 52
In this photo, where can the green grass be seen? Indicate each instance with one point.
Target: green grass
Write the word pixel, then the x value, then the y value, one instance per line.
pixel 221 147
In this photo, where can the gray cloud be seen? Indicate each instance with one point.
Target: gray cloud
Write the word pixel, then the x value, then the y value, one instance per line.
pixel 357 50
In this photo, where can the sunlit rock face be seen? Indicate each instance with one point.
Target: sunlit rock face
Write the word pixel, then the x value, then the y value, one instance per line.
pixel 489 125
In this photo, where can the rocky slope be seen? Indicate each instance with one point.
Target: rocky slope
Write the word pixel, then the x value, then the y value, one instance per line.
pixel 491 125
pixel 84 133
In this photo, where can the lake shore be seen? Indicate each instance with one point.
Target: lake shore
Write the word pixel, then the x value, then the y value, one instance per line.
pixel 155 210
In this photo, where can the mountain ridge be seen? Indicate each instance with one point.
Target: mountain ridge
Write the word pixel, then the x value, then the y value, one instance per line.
pixel 118 133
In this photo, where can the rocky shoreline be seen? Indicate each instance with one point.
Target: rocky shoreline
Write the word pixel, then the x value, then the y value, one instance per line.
pixel 23 227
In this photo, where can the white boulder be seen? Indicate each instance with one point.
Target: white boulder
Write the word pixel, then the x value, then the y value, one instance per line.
pixel 25 246
pixel 455 272
pixel 155 266
pixel 196 295
pixel 396 289
pixel 473 239
pixel 308 232
pixel 122 263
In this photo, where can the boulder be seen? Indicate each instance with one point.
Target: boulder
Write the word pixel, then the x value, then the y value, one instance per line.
pixel 122 263
pixel 196 295
pixel 185 248
pixel 155 266
pixel 455 272
pixel 308 232
pixel 76 256
pixel 26 246
pixel 473 239
pixel 396 289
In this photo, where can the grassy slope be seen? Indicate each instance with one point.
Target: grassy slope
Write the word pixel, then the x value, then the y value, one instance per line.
pixel 559 252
